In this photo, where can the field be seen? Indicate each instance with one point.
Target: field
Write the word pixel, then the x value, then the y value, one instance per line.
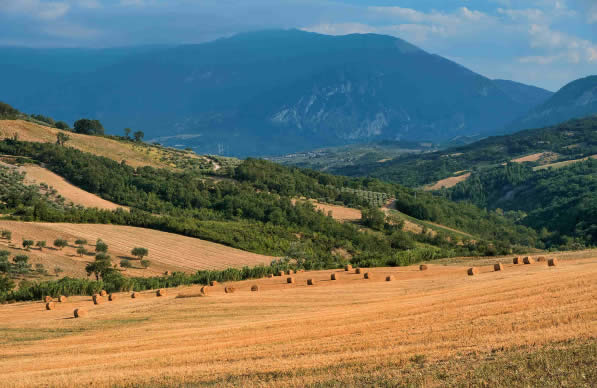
pixel 528 325
pixel 135 155
pixel 448 182
pixel 71 193
pixel 167 251
pixel 564 163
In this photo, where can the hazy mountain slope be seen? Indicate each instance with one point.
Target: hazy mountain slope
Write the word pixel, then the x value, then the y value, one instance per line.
pixel 523 94
pixel 575 100
pixel 273 92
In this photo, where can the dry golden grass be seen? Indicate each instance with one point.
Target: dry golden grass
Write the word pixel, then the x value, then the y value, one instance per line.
pixel 529 158
pixel 36 175
pixel 448 182
pixel 294 334
pixel 167 251
pixel 563 164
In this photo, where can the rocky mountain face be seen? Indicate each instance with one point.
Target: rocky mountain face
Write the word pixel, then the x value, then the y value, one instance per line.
pixel 268 92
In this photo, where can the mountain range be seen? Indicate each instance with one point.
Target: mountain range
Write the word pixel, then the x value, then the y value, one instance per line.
pixel 266 92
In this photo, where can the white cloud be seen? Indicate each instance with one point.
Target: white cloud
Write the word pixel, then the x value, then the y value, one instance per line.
pixel 36 8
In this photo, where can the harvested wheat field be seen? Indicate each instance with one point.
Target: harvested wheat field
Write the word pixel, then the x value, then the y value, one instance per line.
pixel 167 251
pixel 427 328
pixel 339 213
pixel 448 182
pixel 36 175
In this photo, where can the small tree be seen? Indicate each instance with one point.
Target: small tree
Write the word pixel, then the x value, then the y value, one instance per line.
pixel 139 252
pixel 100 267
pixel 22 264
pixel 62 138
pixel 41 245
pixel 6 284
pixel 58 270
pixel 138 135
pixel 127 133
pixel 101 247
pixel 7 234
pixel 145 263
pixel 81 251
pixel 28 244
pixel 60 243
pixel 81 241
pixel 4 263
pixel 62 125
pixel 125 263
pixel 40 269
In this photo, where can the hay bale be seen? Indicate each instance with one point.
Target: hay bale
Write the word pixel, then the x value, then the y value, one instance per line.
pixel 103 293
pixel 498 267
pixel 472 271
pixel 213 283
pixel 229 290
pixel 112 297
pixel 541 259
pixel 289 272
pixel 367 275
pixel 160 292
pixel 390 278
pixel 528 260
pixel 357 271
pixel 167 273
pixel 254 287
pixel 50 306
pixel 280 273
pixel 334 277
pixel 97 299
pixel 552 262
pixel 423 267
pixel 310 282
pixel 204 290
pixel 348 267
pixel 62 299
pixel 517 260
pixel 48 299
pixel 80 313
pixel 290 280
pixel 271 275
pixel 135 295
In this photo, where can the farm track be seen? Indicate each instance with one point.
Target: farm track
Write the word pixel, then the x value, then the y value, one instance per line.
pixel 294 334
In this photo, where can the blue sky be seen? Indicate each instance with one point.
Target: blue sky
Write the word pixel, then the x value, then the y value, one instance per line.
pixel 542 42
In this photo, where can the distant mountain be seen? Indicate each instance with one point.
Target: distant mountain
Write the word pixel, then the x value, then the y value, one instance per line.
pixel 575 100
pixel 268 92
pixel 523 94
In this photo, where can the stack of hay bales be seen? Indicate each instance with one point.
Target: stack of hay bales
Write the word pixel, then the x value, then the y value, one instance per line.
pixel 472 271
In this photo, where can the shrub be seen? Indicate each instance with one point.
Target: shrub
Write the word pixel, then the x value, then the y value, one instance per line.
pixel 28 244
pixel 101 247
pixel 40 269
pixel 41 245
pixel 7 234
pixel 81 251
pixel 62 125
pixel 125 263
pixel 4 264
pixel 81 241
pixel 58 270
pixel 22 264
pixel 88 127
pixel 145 263
pixel 60 243
pixel 6 284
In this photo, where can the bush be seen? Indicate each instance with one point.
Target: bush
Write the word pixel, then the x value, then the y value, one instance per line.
pixel 40 269
pixel 22 264
pixel 139 253
pixel 80 241
pixel 101 247
pixel 62 125
pixel 6 284
pixel 41 245
pixel 125 263
pixel 81 251
pixel 60 243
pixel 7 234
pixel 28 244
pixel 145 263
pixel 88 127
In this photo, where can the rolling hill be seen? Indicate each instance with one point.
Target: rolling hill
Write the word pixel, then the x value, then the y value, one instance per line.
pixel 268 92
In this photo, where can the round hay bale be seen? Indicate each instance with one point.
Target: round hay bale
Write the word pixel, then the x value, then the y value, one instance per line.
pixel 290 280
pixel 204 290
pixel 280 273
pixel 517 260
pixel 423 267
pixel 229 290
pixel 310 282
pixel 498 267
pixel 528 260
pixel 112 297
pixel 472 271
pixel 271 275
pixel 552 262
pixel 97 299
pixel 289 272
pixel 348 267
pixel 167 273
pixel 103 293
pixel 48 299
pixel 135 295
pixel 541 259
pixel 213 283
pixel 79 313
pixel 358 271
pixel 160 292
pixel 334 277
pixel 254 287
pixel 62 299
pixel 367 275
pixel 50 306
pixel 390 278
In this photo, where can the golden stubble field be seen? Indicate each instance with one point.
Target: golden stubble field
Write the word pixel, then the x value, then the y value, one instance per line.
pixel 294 334
pixel 167 251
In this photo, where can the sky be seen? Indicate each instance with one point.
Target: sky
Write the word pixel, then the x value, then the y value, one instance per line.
pixel 546 43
